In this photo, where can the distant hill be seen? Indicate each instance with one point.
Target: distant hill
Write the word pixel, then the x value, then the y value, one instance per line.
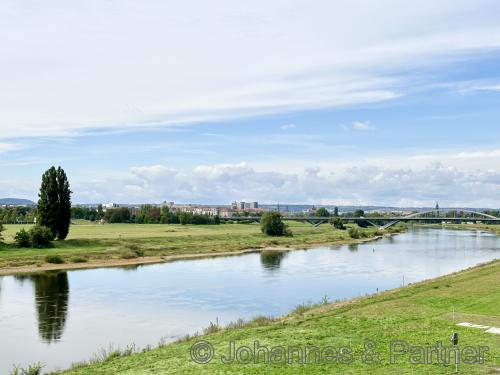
pixel 16 202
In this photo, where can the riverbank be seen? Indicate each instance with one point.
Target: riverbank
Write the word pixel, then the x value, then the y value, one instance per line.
pixel 118 245
pixel 485 227
pixel 421 314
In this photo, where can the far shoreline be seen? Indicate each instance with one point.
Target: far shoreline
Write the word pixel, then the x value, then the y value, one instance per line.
pixel 116 263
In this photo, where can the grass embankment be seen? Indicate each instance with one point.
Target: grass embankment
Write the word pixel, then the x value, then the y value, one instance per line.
pixel 486 227
pixel 420 314
pixel 100 245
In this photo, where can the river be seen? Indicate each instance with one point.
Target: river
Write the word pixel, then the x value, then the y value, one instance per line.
pixel 61 317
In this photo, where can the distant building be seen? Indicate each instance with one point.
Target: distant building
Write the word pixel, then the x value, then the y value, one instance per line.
pixel 195 209
pixel 108 206
pixel 226 212
pixel 244 205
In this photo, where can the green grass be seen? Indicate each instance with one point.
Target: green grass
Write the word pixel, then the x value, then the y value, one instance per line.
pixel 98 242
pixel 486 227
pixel 421 314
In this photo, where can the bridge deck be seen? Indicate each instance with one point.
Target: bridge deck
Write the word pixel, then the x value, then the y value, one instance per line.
pixel 374 219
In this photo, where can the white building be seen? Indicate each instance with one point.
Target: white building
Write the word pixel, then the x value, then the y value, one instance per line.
pixel 244 205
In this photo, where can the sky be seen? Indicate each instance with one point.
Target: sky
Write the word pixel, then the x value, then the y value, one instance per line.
pixel 314 102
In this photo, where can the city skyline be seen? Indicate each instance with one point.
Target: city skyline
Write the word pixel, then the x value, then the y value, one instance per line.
pixel 332 104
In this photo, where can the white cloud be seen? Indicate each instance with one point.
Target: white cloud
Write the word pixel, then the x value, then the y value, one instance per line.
pixel 354 185
pixel 465 87
pixel 69 67
pixel 287 127
pixel 362 125
pixel 6 147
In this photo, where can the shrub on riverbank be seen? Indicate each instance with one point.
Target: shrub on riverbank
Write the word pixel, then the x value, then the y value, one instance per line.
pixel 356 233
pixel 22 238
pixel 400 227
pixel 41 236
pixel 77 259
pixel 273 225
pixel 54 259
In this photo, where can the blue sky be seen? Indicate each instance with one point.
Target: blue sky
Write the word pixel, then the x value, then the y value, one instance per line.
pixel 294 101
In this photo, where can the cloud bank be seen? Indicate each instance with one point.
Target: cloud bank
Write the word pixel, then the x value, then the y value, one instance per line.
pixel 223 183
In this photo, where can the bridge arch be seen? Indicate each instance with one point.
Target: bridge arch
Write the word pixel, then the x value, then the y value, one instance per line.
pixel 422 213
pixel 481 214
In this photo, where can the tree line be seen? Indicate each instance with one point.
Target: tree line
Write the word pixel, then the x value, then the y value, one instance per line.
pixel 149 214
pixel 17 214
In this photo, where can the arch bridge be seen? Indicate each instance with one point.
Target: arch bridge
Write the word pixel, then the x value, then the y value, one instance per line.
pixel 384 222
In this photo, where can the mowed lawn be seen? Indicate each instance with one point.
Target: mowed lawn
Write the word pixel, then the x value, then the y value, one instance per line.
pixel 420 315
pixel 94 242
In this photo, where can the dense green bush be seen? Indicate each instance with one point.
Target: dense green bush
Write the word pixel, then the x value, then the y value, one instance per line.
pixel 22 238
pixel 54 259
pixel 354 232
pixel 273 225
pixel 1 230
pixel 41 236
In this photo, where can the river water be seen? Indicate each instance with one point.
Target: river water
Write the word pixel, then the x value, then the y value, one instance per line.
pixel 61 317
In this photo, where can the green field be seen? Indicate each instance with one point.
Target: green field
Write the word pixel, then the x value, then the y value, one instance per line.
pixel 420 314
pixel 104 242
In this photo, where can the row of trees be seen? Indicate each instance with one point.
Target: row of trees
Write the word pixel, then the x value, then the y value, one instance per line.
pixel 148 214
pixel 87 213
pixel 323 212
pixel 17 214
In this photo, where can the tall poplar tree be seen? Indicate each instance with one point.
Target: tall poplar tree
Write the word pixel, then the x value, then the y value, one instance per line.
pixel 54 205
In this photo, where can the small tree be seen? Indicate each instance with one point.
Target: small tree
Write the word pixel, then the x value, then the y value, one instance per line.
pixel 23 238
pixel 41 236
pixel 273 225
pixel 336 211
pixel 337 223
pixel 322 212
pixel 1 230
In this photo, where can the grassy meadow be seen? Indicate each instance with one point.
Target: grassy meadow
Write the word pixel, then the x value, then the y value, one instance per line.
pixel 104 242
pixel 421 314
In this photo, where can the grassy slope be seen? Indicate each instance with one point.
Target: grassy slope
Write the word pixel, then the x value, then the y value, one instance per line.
pixel 98 242
pixel 485 227
pixel 420 314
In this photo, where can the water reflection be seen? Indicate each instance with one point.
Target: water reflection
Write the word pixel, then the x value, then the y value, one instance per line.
pixel 131 267
pixel 271 260
pixel 51 300
pixel 353 247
